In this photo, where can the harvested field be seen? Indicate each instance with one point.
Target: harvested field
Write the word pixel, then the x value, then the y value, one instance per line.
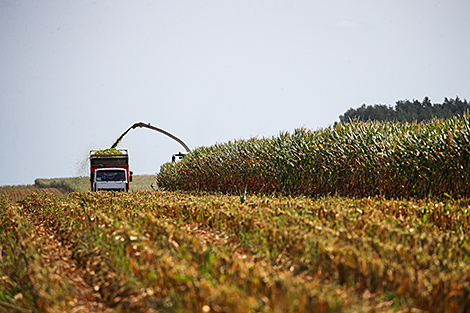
pixel 190 252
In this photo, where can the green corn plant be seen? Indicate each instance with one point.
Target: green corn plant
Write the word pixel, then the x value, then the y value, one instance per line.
pixel 357 159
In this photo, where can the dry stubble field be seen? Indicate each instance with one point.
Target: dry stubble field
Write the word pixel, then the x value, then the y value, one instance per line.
pixel 155 251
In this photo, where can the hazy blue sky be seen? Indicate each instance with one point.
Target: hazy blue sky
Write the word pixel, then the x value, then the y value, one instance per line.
pixel 75 74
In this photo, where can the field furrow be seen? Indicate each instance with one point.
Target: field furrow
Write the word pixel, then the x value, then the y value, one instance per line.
pixel 172 251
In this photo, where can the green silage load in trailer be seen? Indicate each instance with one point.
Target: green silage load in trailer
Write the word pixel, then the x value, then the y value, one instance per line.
pixel 110 151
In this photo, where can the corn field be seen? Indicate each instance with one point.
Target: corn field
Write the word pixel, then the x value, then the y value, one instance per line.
pixel 193 252
pixel 357 217
pixel 17 193
pixel 356 159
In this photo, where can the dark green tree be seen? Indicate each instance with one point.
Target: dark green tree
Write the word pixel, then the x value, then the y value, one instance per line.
pixel 407 111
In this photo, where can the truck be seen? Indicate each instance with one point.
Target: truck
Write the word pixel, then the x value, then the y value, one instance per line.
pixel 109 170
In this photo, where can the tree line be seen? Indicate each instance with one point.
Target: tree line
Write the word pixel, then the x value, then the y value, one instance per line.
pixel 408 111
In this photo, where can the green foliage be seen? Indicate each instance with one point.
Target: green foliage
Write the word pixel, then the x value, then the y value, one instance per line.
pixel 110 151
pixel 67 185
pixel 408 111
pixel 357 159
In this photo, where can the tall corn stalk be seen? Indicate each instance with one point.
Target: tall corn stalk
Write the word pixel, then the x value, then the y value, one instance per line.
pixel 356 159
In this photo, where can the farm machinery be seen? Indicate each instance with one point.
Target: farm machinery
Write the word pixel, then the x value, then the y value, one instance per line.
pixel 147 125
pixel 109 169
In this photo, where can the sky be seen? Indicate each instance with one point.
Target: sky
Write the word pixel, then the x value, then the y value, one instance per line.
pixel 74 75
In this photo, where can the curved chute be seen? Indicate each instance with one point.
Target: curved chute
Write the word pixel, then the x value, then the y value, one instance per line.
pixel 147 125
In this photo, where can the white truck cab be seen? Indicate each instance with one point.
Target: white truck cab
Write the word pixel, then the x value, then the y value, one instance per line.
pixel 114 179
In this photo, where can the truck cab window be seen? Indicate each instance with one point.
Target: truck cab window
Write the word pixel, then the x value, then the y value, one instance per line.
pixel 111 175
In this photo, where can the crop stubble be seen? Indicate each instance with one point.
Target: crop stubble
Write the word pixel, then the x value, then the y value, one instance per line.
pixel 170 251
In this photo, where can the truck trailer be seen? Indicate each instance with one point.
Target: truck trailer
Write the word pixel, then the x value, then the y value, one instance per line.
pixel 110 171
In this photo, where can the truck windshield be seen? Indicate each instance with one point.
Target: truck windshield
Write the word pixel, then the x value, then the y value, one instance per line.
pixel 110 175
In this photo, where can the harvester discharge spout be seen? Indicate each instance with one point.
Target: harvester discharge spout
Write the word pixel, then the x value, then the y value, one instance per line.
pixel 147 125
